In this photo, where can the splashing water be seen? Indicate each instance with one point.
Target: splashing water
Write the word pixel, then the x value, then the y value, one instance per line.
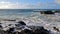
pixel 32 18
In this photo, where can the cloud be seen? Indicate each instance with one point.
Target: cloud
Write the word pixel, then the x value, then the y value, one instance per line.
pixel 50 5
pixel 37 6
pixel 29 6
pixel 8 5
pixel 57 1
pixel 4 2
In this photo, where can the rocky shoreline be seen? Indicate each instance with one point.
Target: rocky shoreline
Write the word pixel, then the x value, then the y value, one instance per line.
pixel 22 28
pixel 39 30
pixel 8 26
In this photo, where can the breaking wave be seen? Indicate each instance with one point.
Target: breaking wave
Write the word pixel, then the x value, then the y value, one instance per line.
pixel 34 19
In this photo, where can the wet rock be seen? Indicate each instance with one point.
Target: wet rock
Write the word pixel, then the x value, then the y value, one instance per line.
pixel 35 27
pixel 56 29
pixel 11 30
pixel 41 30
pixel 0 26
pixel 38 30
pixel 21 22
pixel 47 12
pixel 34 30
pixel 9 24
pixel 18 25
pixel 0 23
pixel 26 31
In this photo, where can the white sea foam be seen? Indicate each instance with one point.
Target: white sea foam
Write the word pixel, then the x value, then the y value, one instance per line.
pixel 36 19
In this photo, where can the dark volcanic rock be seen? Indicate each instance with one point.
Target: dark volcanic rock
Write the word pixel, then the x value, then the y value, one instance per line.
pixel 42 31
pixel 0 26
pixel 39 30
pixel 11 30
pixel 34 30
pixel 0 23
pixel 9 24
pixel 47 12
pixel 26 31
pixel 21 22
pixel 17 25
pixel 55 28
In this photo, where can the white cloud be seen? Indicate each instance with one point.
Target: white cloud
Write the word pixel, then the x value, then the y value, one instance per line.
pixel 4 2
pixel 8 5
pixel 57 1
pixel 28 6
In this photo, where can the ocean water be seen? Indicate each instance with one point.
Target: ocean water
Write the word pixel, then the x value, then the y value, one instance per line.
pixel 31 18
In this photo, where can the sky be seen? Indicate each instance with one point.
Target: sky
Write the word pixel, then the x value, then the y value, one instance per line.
pixel 29 4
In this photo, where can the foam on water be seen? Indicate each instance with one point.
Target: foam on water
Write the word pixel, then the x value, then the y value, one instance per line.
pixel 34 18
